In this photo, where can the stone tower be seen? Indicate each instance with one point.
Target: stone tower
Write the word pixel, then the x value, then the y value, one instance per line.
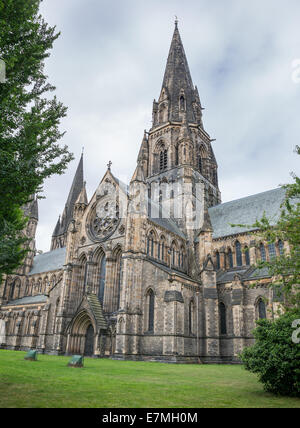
pixel 177 156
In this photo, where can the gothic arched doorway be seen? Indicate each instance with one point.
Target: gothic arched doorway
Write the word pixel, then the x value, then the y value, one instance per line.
pixel 89 342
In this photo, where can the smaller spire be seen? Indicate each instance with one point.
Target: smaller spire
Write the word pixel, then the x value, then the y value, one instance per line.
pixel 57 228
pixel 138 173
pixel 82 197
pixel 109 165
pixel 34 212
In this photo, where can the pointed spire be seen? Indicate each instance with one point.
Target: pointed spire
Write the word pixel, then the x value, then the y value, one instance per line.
pixel 138 174
pixel 177 69
pixel 34 212
pixel 178 93
pixel 144 150
pixel 82 198
pixel 75 190
pixel 57 228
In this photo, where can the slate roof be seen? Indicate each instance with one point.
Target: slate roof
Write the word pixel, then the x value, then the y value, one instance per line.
pixel 29 300
pixel 245 211
pixel 46 262
pixel 246 273
pixel 169 225
pixel 172 271
pixel 97 311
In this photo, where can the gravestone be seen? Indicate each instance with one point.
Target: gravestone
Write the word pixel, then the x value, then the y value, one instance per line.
pixel 31 356
pixel 76 361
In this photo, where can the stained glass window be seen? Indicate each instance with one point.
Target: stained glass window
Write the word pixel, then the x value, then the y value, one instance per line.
pixel 238 250
pixel 102 278
pixel 262 309
pixel 151 311
pixel 247 256
pixel 223 324
pixel 272 251
pixel 262 252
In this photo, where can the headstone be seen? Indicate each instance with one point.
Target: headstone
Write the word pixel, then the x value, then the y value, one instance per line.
pixel 31 356
pixel 76 361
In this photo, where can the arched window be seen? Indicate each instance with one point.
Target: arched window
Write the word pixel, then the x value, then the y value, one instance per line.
pixel 200 164
pixel 151 311
pixel 119 266
pixel 176 156
pixel 150 244
pixel 238 251
pixel 280 247
pixel 182 103
pixel 223 323
pixel 272 251
pixel 163 160
pixel 173 254
pixel 247 256
pixel 161 249
pixel 191 317
pixel 217 260
pixel 102 278
pixel 230 258
pixel 12 290
pixel 262 313
pixel 27 288
pixel 262 252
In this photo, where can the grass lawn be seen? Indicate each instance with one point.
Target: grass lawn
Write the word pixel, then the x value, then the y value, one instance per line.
pixel 48 382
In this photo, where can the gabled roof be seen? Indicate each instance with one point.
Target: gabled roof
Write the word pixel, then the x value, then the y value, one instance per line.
pixel 245 211
pixel 246 273
pixel 47 262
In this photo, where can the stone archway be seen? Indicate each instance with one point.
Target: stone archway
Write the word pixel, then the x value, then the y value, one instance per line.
pixel 81 337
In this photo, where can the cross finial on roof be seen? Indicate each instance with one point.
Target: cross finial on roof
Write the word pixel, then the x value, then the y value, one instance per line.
pixel 109 165
pixel 176 20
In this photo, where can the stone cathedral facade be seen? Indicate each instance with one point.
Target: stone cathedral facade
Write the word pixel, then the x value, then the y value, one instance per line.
pixel 152 270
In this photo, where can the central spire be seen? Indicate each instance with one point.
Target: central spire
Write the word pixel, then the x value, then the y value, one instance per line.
pixel 178 96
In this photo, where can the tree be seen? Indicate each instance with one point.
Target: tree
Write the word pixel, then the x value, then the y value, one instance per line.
pixel 275 356
pixel 29 122
pixel 285 270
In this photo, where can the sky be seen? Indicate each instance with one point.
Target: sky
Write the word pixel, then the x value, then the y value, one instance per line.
pixel 108 66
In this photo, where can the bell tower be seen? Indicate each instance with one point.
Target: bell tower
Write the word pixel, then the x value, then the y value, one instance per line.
pixel 178 161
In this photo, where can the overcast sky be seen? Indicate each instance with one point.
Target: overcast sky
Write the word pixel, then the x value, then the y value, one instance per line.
pixel 108 66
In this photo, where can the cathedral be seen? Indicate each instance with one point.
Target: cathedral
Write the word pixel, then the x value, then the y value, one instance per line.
pixel 153 270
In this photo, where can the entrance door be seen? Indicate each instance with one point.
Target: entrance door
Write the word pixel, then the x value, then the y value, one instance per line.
pixel 89 342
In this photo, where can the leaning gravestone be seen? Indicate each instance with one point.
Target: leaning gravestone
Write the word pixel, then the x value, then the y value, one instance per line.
pixel 31 356
pixel 76 361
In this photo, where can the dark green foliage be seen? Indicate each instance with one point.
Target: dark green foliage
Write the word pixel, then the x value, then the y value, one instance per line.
pixel 275 357
pixel 285 270
pixel 29 121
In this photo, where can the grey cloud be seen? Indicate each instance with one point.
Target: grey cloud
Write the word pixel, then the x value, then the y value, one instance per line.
pixel 108 67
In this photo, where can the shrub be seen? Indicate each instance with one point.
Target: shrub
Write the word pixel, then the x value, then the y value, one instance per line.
pixel 274 356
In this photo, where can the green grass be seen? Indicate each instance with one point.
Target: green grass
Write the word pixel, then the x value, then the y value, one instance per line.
pixel 48 382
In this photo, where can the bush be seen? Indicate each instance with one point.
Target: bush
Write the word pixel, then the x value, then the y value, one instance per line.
pixel 274 356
